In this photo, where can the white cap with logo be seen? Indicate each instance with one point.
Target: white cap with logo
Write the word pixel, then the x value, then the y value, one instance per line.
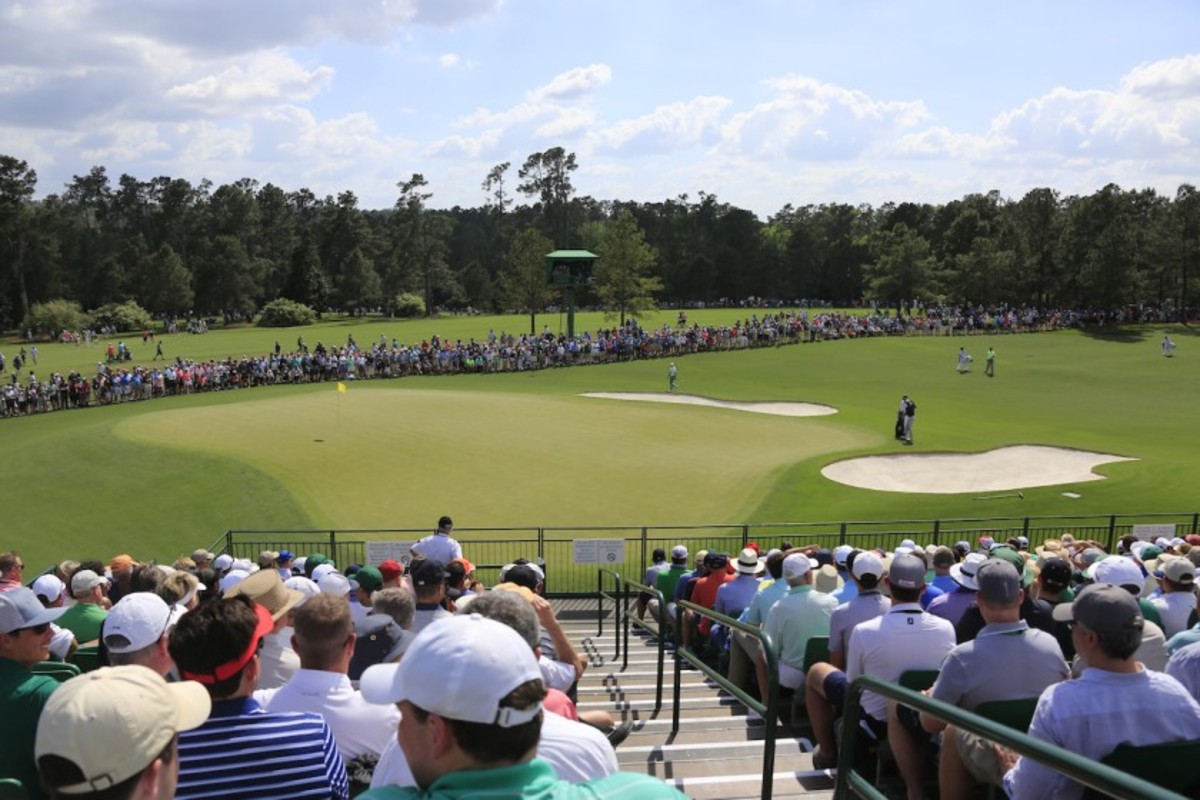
pixel 461 668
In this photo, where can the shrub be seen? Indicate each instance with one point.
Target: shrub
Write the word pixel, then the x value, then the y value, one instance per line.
pixel 53 316
pixel 284 313
pixel 127 316
pixel 409 305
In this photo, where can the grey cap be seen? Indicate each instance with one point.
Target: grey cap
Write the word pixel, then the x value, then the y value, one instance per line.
pixel 998 581
pixel 1105 609
pixel 907 572
pixel 20 608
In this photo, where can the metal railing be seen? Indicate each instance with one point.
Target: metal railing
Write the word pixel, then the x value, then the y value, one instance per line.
pixel 768 710
pixel 555 546
pixel 659 632
pixel 617 598
pixel 1079 768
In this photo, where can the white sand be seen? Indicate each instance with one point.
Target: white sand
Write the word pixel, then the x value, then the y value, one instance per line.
pixel 779 409
pixel 1017 467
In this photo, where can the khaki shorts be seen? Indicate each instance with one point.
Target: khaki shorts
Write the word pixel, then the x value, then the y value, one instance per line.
pixel 979 757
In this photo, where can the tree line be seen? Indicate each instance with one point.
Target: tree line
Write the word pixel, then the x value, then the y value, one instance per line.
pixel 177 248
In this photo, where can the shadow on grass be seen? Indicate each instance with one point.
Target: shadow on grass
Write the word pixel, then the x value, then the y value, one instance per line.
pixel 1118 335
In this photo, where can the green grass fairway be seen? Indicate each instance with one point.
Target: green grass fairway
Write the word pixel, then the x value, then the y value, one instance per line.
pixel 162 477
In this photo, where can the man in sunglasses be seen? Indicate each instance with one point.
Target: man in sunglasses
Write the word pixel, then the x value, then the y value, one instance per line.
pixel 24 641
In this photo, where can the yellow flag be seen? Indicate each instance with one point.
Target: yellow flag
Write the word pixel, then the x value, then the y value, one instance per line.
pixel 341 388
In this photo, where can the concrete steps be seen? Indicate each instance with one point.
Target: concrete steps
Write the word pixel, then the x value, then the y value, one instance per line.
pixel 717 751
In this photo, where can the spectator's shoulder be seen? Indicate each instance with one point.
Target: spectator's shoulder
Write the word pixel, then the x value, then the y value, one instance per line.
pixel 629 786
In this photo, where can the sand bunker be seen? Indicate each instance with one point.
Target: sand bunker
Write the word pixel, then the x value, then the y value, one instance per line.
pixel 1017 467
pixel 778 409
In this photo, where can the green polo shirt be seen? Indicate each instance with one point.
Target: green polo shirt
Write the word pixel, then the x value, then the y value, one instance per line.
pixel 532 779
pixel 83 620
pixel 668 579
pixel 22 696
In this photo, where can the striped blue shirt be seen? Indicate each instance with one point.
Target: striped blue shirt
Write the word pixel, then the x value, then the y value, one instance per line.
pixel 244 752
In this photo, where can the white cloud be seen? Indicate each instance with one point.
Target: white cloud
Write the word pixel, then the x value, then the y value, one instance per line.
pixel 269 77
pixel 448 60
pixel 573 83
pixel 669 127
pixel 1172 79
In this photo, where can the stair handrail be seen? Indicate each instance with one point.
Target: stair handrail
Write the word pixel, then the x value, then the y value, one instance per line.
pixel 1089 772
pixel 618 599
pixel 769 710
pixel 659 632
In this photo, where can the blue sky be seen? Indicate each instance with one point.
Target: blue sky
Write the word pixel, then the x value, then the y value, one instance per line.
pixel 760 103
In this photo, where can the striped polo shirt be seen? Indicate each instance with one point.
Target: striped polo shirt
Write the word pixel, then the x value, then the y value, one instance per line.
pixel 244 752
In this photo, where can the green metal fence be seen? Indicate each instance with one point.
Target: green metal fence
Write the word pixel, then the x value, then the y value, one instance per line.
pixel 554 547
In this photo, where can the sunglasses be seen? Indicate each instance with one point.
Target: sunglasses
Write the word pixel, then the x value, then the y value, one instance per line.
pixel 36 629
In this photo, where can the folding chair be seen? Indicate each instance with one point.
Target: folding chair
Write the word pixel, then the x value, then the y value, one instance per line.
pixel 59 670
pixel 1171 766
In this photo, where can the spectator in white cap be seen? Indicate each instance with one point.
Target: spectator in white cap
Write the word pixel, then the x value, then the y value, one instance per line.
pixel 322 569
pixel 905 638
pixel 744 648
pixel 24 641
pixel 847 590
pixel 113 733
pixel 952 605
pixel 231 579
pixel 85 617
pixel 1124 572
pixel 136 631
pixel 1177 580
pixel 277 660
pixel 470 696
pixel 325 640
pixel 798 616
pixel 223 563
pixel 52 592
pixel 866 570
pixel 735 596
pixel 667 580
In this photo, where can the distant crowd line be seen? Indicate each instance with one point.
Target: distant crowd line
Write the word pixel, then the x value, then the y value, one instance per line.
pixel 118 381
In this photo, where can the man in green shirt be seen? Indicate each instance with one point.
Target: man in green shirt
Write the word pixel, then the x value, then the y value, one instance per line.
pixel 470 695
pixel 24 641
pixel 85 618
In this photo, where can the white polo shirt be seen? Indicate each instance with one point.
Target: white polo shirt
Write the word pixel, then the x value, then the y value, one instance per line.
pixel 438 547
pixel 905 638
pixel 358 727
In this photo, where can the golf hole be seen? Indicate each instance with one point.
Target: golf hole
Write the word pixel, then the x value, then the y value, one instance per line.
pixel 1007 469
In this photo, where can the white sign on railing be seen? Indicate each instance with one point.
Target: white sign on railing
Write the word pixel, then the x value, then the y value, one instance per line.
pixel 378 552
pixel 1148 533
pixel 599 551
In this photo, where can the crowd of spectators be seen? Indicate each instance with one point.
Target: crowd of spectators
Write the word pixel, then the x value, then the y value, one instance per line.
pixel 288 677
pixel 118 379
pixel 1101 648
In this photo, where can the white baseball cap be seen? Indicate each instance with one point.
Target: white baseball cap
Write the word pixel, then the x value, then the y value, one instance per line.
pixel 797 564
pixel 223 562
pixel 141 618
pixel 303 585
pixel 867 563
pixel 963 572
pixel 461 668
pixel 679 552
pixel 840 553
pixel 232 579
pixel 49 587
pixel 130 714
pixel 1117 571
pixel 334 583
pixel 321 570
pixel 20 608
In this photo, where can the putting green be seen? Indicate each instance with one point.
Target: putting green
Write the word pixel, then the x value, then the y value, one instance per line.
pixel 380 457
